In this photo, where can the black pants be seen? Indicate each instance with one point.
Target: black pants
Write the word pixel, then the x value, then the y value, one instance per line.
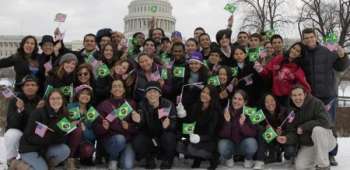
pixel 163 146
pixel 274 148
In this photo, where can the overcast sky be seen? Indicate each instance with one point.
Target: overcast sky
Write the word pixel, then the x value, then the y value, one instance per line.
pixel 87 16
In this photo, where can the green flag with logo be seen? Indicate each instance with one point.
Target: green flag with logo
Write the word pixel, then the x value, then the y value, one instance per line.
pixel 188 128
pixel 269 134
pixel 179 72
pixel 257 117
pixel 123 111
pixel 65 125
pixel 164 74
pixel 103 71
pixel 230 7
pixel 234 71
pixel 253 54
pixel 74 112
pixel 91 114
pixel 67 90
pixel 249 110
pixel 214 81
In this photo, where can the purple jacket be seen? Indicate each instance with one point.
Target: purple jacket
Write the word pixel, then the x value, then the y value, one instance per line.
pixel 234 131
pixel 115 127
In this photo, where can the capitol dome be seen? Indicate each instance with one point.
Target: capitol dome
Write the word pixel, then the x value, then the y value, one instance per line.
pixel 141 13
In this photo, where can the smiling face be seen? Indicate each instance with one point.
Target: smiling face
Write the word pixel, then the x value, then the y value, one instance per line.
pixel 149 48
pixel 118 89
pixel 69 66
pixel 89 43
pixel 214 58
pixel 277 44
pixel 222 76
pixel 145 63
pixel 47 48
pixel 108 52
pixel 178 52
pixel 239 55
pixel 310 40
pixel 29 46
pixel 204 41
pixel 195 66
pixel 224 42
pixel 270 103
pixel 243 39
pixel 84 76
pixel 153 96
pixel 30 88
pixel 238 101
pixel 295 52
pixel 191 47
pixel 55 101
pixel 205 95
pixel 122 68
pixel 84 96
pixel 298 97
pixel 269 49
pixel 157 35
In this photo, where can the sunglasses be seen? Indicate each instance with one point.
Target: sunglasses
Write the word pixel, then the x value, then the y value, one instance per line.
pixel 83 74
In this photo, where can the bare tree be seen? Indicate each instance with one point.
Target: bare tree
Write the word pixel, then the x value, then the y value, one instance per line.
pixel 344 22
pixel 262 14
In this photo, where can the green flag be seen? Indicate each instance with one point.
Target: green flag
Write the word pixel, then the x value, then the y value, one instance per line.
pixel 164 74
pixel 270 33
pixel 74 113
pixel 188 128
pixel 330 38
pixel 230 7
pixel 205 63
pixel 269 134
pixel 103 71
pixel 91 114
pixel 253 54
pixel 65 125
pixel 257 117
pixel 249 110
pixel 179 72
pixel 214 81
pixel 49 88
pixel 234 71
pixel 123 110
pixel 67 90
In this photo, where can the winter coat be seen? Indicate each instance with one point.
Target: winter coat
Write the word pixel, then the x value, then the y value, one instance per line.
pixel 284 75
pixel 319 65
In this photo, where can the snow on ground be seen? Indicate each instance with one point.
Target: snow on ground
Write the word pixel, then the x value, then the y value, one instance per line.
pixel 343 159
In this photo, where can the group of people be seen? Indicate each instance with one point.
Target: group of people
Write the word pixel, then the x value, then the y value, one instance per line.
pixel 120 101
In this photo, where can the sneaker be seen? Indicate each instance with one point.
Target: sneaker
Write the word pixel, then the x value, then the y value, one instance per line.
pixel 332 161
pixel 229 163
pixel 259 165
pixel 112 165
pixel 248 163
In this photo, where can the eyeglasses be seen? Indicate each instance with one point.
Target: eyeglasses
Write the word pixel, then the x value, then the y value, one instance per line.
pixel 83 74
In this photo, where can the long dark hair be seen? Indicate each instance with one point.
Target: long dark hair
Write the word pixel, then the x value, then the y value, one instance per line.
pixel 228 73
pixel 297 60
pixel 214 104
pixel 47 100
pixel 21 51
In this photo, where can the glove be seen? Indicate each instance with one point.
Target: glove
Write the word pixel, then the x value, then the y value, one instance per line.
pixel 181 112
pixel 194 138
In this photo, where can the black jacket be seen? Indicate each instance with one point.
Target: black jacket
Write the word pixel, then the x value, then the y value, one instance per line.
pixel 19 120
pixel 31 142
pixel 319 65
pixel 150 124
pixel 21 67
pixel 311 114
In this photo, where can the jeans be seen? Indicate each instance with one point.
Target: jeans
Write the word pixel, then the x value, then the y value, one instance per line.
pixel 11 139
pixel 114 145
pixel 127 158
pixel 55 154
pixel 247 147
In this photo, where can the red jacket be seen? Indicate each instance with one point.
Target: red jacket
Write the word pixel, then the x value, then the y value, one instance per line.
pixel 284 76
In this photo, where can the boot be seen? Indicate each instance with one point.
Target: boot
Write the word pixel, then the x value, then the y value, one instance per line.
pixel 19 165
pixel 70 164
pixel 196 163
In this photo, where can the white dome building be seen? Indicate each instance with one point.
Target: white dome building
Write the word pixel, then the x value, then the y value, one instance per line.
pixel 141 13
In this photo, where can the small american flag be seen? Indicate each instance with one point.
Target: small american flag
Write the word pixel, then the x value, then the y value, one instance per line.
pixel 40 129
pixel 291 117
pixel 7 93
pixel 155 76
pixel 163 112
pixel 111 116
pixel 248 80
pixel 60 17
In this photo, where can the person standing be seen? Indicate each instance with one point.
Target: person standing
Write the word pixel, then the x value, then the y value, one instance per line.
pixel 319 65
